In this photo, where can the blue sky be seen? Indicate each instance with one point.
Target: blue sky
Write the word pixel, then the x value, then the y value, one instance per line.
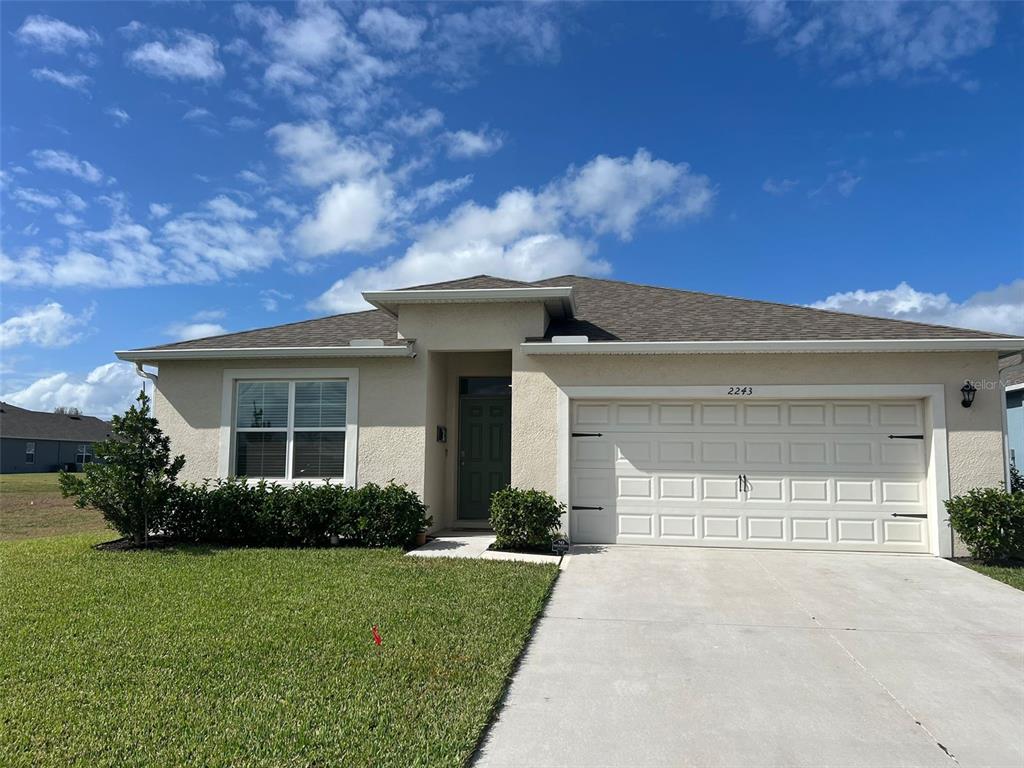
pixel 173 170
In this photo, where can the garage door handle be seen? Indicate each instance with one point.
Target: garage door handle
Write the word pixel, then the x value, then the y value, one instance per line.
pixel 587 434
pixel 907 514
pixel 575 507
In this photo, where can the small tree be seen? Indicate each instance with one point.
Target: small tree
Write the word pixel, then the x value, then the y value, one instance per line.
pixel 134 479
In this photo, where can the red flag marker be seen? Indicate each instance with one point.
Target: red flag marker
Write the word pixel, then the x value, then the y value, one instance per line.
pixel 376 636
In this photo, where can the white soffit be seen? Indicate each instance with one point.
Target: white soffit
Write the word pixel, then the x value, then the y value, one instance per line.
pixel 783 346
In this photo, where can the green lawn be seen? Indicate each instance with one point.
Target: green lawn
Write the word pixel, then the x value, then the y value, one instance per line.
pixel 31 506
pixel 1008 574
pixel 253 657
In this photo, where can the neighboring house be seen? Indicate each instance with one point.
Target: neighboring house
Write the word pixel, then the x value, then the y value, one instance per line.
pixel 1014 383
pixel 35 441
pixel 658 416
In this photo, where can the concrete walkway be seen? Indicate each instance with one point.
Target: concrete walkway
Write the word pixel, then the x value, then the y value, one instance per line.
pixel 701 657
pixel 474 544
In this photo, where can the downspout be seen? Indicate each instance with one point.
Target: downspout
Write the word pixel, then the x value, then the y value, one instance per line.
pixel 145 374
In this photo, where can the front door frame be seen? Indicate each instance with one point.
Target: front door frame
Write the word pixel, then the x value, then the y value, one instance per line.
pixel 933 395
pixel 471 522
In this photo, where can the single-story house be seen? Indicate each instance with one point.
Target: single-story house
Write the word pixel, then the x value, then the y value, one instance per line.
pixel 1013 381
pixel 36 441
pixel 658 416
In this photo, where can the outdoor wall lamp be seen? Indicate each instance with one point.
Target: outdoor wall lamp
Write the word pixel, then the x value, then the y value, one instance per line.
pixel 967 390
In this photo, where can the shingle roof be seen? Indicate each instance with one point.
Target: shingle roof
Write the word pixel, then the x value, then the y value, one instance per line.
pixel 333 331
pixel 38 425
pixel 611 310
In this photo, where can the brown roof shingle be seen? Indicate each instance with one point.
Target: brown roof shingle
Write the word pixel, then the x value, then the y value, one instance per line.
pixel 611 310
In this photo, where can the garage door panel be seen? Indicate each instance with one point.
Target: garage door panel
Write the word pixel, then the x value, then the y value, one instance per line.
pixel 817 474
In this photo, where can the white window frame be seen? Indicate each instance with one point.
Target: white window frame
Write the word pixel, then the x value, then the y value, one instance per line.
pixel 84 450
pixel 225 457
pixel 30 452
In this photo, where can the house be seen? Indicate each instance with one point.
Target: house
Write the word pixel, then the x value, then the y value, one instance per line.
pixel 1014 384
pixel 659 416
pixel 35 441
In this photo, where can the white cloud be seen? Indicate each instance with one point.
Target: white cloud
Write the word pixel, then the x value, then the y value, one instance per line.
pixel 68 219
pixel 282 207
pixel 862 42
pixel 242 123
pixel 613 192
pixel 105 390
pixel 45 325
pixel 188 331
pixel 74 202
pixel 159 210
pixel 74 82
pixel 433 194
pixel 197 113
pixel 349 216
pixel 119 115
pixel 842 183
pixel 202 246
pixel 243 98
pixel 389 29
pixel 465 144
pixel 1000 310
pixel 32 199
pixel 316 62
pixel 531 234
pixel 780 187
pixel 527 33
pixel 318 156
pixel 251 177
pixel 226 208
pixel 271 299
pixel 65 162
pixel 192 57
pixel 417 124
pixel 54 35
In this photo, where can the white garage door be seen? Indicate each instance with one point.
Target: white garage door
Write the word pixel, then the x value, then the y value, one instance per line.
pixel 781 474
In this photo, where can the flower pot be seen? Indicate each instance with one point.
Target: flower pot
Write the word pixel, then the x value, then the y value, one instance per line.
pixel 421 538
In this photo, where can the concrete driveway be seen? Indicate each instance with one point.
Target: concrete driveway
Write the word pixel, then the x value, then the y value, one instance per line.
pixel 699 657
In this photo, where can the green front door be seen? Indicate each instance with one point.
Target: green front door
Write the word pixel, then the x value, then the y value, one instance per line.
pixel 485 425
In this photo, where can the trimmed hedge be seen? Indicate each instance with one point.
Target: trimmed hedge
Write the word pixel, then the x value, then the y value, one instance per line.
pixel 525 519
pixel 990 522
pixel 236 512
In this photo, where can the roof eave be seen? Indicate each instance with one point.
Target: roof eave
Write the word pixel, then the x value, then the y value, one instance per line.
pixel 559 300
pixel 156 355
pixel 1010 345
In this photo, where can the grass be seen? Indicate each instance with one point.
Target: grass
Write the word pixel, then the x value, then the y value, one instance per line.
pixel 1008 574
pixel 253 657
pixel 31 506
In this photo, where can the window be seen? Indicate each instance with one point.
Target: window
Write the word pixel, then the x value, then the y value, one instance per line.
pixel 30 453
pixel 290 430
pixel 83 454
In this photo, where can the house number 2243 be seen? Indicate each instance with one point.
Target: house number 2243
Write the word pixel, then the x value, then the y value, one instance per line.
pixel 740 391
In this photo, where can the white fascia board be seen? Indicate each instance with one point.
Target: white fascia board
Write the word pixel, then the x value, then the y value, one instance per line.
pixel 782 346
pixel 155 355
pixel 557 298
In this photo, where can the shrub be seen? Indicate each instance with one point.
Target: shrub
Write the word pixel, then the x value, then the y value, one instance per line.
pixel 990 522
pixel 267 514
pixel 525 519
pixel 134 481
pixel 384 517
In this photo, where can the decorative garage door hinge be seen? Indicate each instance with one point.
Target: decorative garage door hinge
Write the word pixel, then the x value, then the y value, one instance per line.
pixel 906 437
pixel 587 434
pixel 907 514
pixel 575 507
